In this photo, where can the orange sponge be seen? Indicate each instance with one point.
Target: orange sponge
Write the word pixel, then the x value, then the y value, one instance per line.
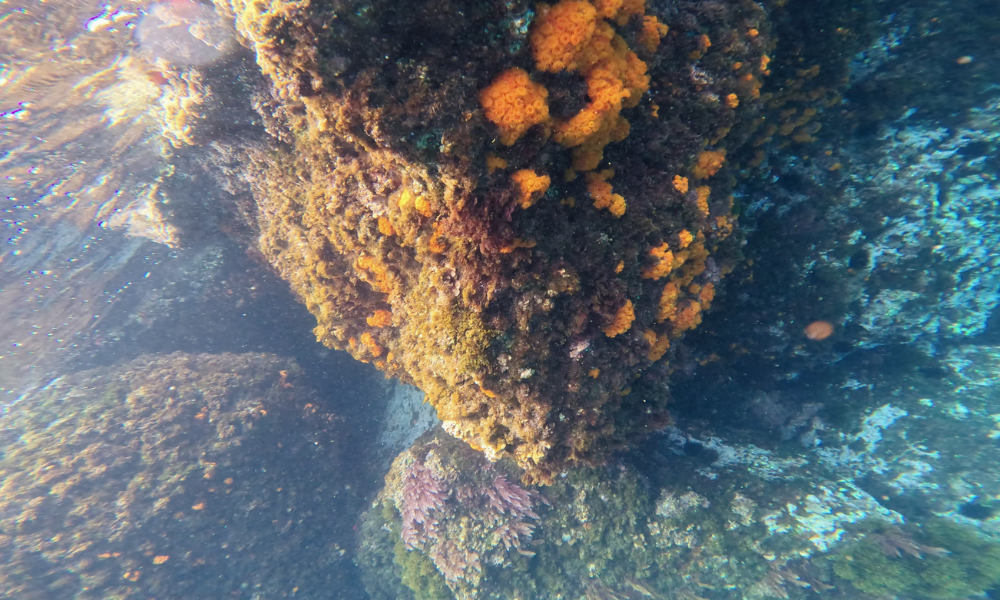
pixel 623 320
pixel 381 318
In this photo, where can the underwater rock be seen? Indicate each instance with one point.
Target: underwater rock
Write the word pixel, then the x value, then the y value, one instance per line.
pixel 175 477
pixel 731 520
pixel 879 222
pixel 516 221
pixel 406 418
pixel 930 447
pixel 900 254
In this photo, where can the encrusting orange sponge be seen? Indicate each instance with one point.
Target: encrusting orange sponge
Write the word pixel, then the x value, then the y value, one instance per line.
pixel 709 163
pixel 381 318
pixel 623 320
pixel 373 346
pixel 515 104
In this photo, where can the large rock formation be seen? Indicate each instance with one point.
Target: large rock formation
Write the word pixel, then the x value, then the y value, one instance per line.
pixel 175 477
pixel 515 207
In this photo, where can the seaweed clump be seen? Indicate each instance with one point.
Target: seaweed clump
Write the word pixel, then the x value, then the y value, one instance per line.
pixel 515 207
pixel 436 532
pixel 939 560
pixel 457 526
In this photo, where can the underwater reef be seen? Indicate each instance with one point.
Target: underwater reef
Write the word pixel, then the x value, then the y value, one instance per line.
pixel 175 476
pixel 515 207
pixel 691 516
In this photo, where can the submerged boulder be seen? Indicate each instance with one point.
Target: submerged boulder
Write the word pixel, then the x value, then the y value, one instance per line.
pixel 175 477
pixel 515 207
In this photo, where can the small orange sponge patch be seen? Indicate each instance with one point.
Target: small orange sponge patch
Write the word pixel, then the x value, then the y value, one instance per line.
pixel 623 320
pixel 381 318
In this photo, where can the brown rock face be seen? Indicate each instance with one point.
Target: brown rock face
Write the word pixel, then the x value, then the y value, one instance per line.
pixel 490 200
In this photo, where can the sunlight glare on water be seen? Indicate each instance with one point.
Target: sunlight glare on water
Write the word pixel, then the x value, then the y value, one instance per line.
pixel 184 33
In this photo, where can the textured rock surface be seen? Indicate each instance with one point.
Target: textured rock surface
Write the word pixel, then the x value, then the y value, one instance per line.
pixel 513 221
pixel 175 477
pixel 887 486
pixel 880 224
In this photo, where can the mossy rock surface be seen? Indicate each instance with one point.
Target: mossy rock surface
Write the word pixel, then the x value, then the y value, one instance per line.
pixel 174 477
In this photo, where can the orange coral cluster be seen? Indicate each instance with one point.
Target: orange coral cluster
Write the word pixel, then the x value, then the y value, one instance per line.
pixel 687 317
pixel 601 191
pixel 652 32
pixel 623 320
pixel 709 163
pixel 683 310
pixel 668 302
pixel 531 186
pixel 703 192
pixel 515 104
pixel 658 344
pixel 575 36
pixel 664 263
pixel 561 33
pixel 378 271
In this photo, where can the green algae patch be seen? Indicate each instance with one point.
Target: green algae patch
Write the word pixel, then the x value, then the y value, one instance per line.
pixel 938 561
